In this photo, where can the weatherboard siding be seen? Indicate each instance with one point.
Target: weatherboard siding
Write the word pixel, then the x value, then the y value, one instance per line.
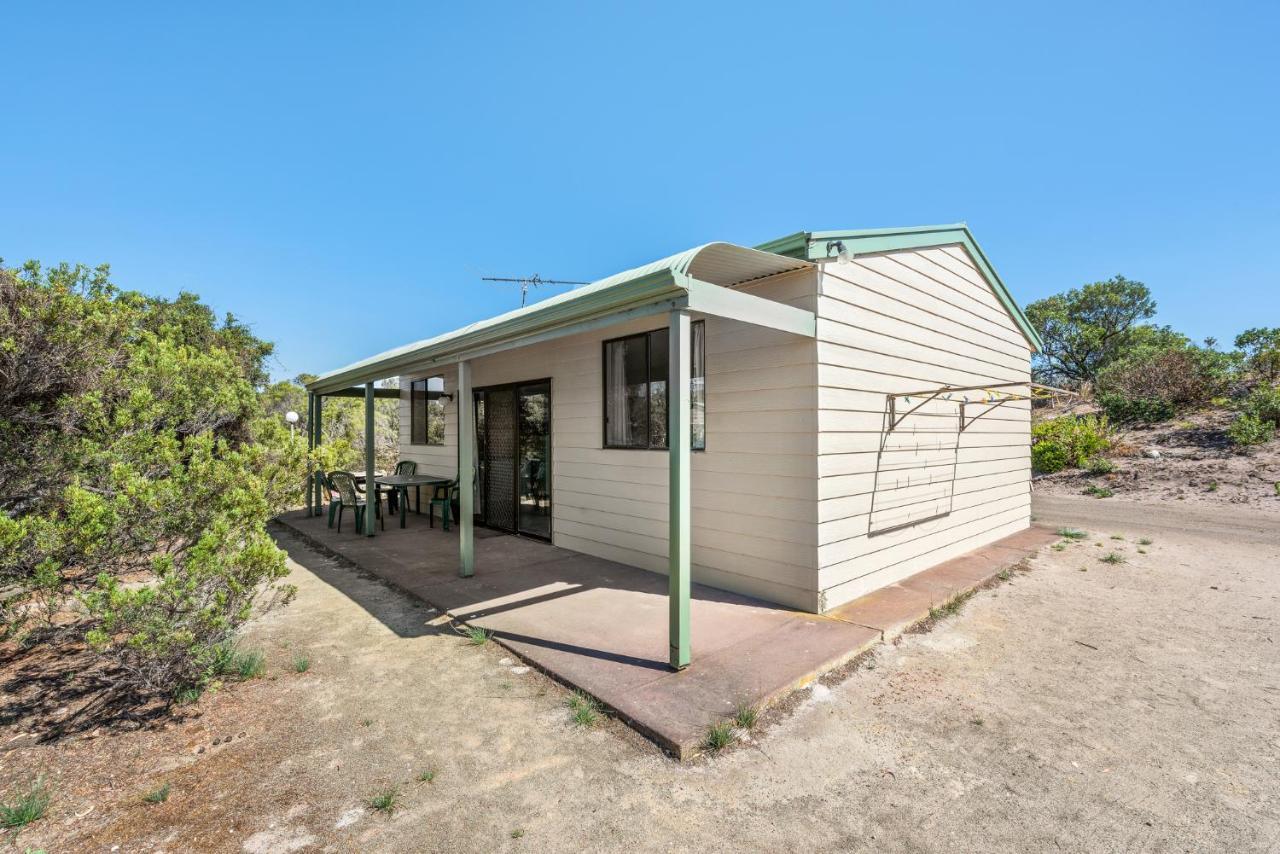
pixel 801 497
pixel 754 488
pixel 893 503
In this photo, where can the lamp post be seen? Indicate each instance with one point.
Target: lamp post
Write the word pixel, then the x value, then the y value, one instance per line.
pixel 292 418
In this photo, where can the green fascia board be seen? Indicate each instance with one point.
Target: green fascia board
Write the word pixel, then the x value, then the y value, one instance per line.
pixel 812 246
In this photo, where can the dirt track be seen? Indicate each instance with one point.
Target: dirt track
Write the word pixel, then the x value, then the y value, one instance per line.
pixel 1083 706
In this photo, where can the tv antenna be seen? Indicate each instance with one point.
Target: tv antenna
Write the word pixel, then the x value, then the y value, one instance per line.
pixel 531 282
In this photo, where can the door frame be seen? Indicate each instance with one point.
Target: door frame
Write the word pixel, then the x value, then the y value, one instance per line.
pixel 475 411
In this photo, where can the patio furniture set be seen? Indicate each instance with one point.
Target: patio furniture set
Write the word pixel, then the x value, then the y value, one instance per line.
pixel 346 489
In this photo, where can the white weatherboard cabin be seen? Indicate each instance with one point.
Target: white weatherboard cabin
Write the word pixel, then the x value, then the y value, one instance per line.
pixel 804 422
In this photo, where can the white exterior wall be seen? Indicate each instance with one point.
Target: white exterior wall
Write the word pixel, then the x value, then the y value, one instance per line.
pixel 755 487
pixel 898 322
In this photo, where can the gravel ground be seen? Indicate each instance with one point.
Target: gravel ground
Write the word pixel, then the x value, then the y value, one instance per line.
pixel 1081 706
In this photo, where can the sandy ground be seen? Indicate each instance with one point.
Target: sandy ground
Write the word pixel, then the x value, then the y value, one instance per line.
pixel 1189 459
pixel 1081 706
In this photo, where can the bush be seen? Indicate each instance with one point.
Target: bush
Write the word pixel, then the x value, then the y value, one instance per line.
pixel 1250 430
pixel 1153 384
pixel 1048 457
pixel 1142 410
pixel 1100 466
pixel 1067 442
pixel 1264 404
pixel 138 470
pixel 1261 350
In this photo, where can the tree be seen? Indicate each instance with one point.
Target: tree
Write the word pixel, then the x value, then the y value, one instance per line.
pixel 341 423
pixel 1261 346
pixel 138 470
pixel 1086 328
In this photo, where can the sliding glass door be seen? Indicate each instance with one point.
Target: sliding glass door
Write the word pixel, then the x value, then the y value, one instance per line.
pixel 513 445
pixel 534 461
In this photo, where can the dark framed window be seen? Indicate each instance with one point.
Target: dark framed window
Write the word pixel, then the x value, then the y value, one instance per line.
pixel 426 411
pixel 636 374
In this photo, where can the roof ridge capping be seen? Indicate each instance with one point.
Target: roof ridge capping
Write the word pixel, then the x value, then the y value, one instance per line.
pixel 814 246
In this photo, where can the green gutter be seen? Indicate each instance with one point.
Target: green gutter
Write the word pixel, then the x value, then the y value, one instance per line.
pixel 813 246
pixel 793 245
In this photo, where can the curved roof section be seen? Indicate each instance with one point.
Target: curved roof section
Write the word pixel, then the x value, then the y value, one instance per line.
pixel 724 264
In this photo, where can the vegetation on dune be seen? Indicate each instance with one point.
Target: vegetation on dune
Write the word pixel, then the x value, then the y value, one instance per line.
pixel 1097 341
pixel 1155 381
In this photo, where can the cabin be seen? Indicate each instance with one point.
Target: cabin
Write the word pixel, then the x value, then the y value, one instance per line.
pixel 804 421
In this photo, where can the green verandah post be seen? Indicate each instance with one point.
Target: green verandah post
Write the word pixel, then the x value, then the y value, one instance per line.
pixel 679 336
pixel 318 481
pixel 466 472
pixel 311 443
pixel 370 488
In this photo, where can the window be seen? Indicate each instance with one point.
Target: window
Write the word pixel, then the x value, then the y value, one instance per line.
pixel 635 390
pixel 426 411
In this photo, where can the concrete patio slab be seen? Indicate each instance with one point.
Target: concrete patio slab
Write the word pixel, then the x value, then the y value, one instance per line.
pixel 601 627
pixel 894 609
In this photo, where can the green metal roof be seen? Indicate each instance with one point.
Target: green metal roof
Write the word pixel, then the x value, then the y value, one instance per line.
pixel 668 279
pixel 815 246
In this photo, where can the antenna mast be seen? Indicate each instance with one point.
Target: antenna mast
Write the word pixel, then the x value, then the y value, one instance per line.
pixel 531 282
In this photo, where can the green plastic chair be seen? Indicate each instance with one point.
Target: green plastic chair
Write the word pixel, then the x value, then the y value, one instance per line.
pixel 331 491
pixel 343 484
pixel 444 495
pixel 403 467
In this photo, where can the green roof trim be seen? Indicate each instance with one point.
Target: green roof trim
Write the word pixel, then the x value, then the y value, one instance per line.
pixel 676 279
pixel 814 246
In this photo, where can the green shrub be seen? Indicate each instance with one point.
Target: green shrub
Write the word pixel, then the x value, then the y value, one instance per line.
pixel 1261 349
pixel 1048 457
pixel 1141 410
pixel 1100 465
pixel 138 471
pixel 1068 441
pixel 1264 404
pixel 1152 384
pixel 1250 430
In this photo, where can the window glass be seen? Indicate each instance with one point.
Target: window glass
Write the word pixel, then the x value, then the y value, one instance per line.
pixel 659 356
pixel 435 411
pixel 626 396
pixel 698 389
pixel 426 411
pixel 418 412
pixel 636 374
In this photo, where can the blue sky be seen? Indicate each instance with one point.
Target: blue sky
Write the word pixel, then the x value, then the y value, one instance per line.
pixel 341 175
